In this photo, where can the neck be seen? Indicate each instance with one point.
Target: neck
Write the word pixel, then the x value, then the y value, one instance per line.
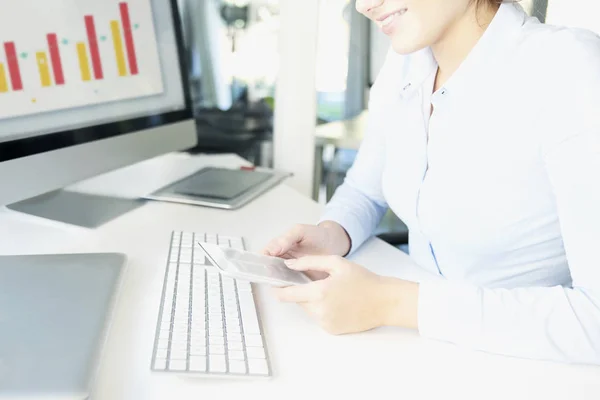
pixel 458 41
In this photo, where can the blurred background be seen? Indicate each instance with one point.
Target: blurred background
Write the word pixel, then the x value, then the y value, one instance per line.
pixel 234 52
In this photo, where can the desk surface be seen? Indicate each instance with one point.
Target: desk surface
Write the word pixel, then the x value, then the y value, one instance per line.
pixel 388 362
pixel 345 134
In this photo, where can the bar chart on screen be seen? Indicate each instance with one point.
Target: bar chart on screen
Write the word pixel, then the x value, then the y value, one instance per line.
pixel 58 54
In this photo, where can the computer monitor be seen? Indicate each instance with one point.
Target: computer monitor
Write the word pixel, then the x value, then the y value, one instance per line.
pixel 87 87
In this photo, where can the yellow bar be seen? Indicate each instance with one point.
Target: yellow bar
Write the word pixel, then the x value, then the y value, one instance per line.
pixel 3 82
pixel 119 52
pixel 42 60
pixel 84 62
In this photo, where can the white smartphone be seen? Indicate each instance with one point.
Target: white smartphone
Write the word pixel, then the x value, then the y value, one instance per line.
pixel 253 267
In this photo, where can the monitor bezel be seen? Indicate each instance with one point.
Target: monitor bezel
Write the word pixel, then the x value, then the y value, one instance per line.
pixel 20 148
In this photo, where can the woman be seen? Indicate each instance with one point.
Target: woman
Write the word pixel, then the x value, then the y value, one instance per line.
pixel 484 137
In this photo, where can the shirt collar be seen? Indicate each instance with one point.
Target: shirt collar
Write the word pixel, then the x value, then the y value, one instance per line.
pixel 500 34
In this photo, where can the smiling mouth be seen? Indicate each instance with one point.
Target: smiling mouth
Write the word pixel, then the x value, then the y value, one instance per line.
pixel 390 18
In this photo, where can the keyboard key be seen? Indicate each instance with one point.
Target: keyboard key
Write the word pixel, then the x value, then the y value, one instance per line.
pixel 217 363
pixel 236 355
pixel 258 366
pixel 160 364
pixel 216 340
pixel 244 286
pixel 179 346
pixel 179 335
pixel 235 346
pixel 215 309
pixel 237 367
pixel 231 308
pixel 216 332
pixel 232 322
pixel 234 337
pixel 216 349
pixel 169 294
pixel 198 351
pixel 178 355
pixel 250 322
pixel 180 328
pixel 164 334
pixel 231 305
pixel 255 352
pixel 199 304
pixel 198 363
pixel 161 353
pixel 253 340
pixel 178 365
pixel 172 266
pixel 215 319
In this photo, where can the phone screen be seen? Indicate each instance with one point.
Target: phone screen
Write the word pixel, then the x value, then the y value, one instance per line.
pixel 253 267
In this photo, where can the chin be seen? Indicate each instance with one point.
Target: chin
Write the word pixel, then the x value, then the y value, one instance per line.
pixel 404 47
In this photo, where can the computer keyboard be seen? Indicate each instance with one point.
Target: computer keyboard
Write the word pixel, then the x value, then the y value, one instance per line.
pixel 208 323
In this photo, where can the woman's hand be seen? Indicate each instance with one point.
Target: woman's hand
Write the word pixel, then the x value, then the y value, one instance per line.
pixel 327 238
pixel 352 299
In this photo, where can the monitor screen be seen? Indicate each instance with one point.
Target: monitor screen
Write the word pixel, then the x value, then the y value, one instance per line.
pixel 70 64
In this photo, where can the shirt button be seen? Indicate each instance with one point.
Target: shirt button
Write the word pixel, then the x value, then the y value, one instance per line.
pixel 443 92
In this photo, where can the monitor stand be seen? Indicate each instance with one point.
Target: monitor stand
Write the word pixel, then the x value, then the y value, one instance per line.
pixel 81 209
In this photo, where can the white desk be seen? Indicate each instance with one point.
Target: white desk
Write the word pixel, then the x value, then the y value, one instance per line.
pixel 388 363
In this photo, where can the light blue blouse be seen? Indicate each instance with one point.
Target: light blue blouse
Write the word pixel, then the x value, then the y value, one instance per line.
pixel 500 188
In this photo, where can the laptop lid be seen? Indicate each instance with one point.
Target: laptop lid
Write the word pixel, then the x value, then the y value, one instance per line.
pixel 54 311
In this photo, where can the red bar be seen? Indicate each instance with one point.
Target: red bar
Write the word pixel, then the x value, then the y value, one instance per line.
pixel 59 76
pixel 126 21
pixel 13 66
pixel 94 49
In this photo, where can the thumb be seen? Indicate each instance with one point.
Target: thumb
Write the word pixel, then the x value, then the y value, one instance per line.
pixel 329 264
pixel 283 244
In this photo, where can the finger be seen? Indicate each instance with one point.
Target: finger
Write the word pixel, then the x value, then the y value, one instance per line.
pixel 309 308
pixel 283 244
pixel 316 275
pixel 328 264
pixel 298 294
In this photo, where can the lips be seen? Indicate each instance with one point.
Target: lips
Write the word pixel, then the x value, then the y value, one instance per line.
pixel 387 21
pixel 387 18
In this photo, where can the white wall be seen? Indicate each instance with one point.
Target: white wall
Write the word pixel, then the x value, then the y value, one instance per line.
pixel 576 13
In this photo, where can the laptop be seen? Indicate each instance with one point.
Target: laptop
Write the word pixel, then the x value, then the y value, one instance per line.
pixel 54 314
pixel 223 188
